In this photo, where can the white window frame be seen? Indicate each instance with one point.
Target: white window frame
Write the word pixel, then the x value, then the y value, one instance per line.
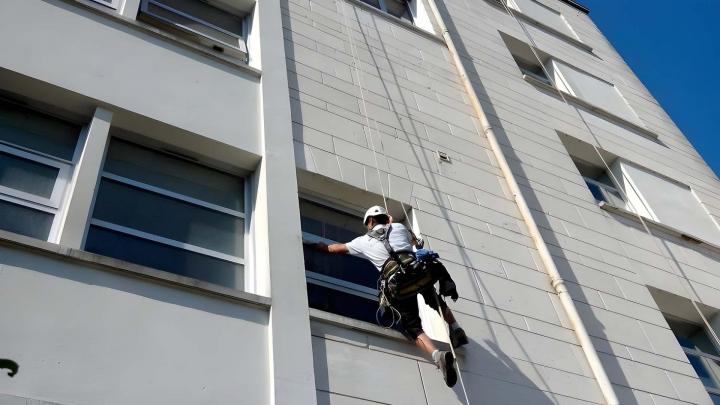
pixel 241 46
pixel 61 181
pixel 180 197
pixel 50 205
pixel 611 194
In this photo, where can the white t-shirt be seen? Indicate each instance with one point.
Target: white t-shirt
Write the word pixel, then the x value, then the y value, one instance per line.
pixel 374 250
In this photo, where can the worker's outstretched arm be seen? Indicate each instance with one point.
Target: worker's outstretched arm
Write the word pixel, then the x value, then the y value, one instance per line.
pixel 340 248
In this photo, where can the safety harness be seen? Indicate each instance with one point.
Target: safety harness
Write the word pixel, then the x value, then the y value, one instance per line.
pixel 402 275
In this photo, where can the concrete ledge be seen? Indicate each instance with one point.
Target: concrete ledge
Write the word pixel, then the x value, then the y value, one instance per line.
pixel 152 30
pixel 56 251
pixel 658 225
pixel 354 324
pixel 600 111
pixel 365 327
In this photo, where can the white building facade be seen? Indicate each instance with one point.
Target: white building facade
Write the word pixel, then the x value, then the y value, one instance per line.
pixel 165 164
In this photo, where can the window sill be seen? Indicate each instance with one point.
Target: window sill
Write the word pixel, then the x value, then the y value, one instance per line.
pixel 657 225
pixel 394 19
pixel 106 11
pixel 82 257
pixel 601 111
pixel 354 324
pixel 364 327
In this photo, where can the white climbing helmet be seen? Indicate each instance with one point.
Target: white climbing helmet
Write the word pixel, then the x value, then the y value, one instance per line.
pixel 374 211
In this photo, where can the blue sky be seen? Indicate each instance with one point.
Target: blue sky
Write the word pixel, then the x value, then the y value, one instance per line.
pixel 673 46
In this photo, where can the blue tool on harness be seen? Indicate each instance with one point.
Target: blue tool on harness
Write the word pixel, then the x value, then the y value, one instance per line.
pixel 426 255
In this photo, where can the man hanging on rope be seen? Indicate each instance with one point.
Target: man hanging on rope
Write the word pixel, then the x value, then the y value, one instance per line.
pixel 404 275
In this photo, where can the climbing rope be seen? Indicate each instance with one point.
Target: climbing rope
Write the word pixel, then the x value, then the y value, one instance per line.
pixel 356 69
pixel 661 247
pixel 452 349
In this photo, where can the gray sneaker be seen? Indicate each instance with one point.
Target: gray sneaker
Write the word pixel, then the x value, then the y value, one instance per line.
pixel 446 364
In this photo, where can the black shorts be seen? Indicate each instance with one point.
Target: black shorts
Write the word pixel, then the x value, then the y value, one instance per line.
pixel 410 316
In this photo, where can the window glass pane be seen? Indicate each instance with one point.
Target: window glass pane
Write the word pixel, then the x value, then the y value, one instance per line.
pixel 197 26
pixel 175 174
pixel 156 255
pixel 341 303
pixel 374 3
pixel 715 399
pixel 339 227
pixel 692 336
pixel 153 213
pixel 37 131
pixel 702 368
pixel 532 69
pixel 344 267
pixel 205 12
pixel 398 8
pixel 596 191
pixel 330 224
pixel 24 220
pixel 27 175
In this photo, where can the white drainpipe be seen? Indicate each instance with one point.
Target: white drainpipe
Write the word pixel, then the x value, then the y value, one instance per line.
pixel 556 279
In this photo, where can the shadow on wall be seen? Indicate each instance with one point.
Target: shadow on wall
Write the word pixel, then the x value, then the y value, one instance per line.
pixel 495 377
pixel 594 326
pixel 357 377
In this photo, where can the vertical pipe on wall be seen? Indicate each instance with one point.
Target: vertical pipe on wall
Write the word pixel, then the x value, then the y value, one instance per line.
pixel 556 279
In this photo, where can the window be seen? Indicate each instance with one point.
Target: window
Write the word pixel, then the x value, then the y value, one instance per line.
pixel 166 212
pixel 110 3
pixel 340 284
pixel 646 193
pixel 217 24
pixel 533 69
pixel 397 8
pixel 590 89
pixel 36 153
pixel 666 201
pixel 599 183
pixel 701 352
pixel 583 88
pixel 542 14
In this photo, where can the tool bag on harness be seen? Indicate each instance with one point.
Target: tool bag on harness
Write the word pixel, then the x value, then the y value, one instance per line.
pixel 402 275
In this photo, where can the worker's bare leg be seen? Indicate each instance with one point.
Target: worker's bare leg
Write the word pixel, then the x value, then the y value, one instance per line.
pixel 444 360
pixel 425 344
